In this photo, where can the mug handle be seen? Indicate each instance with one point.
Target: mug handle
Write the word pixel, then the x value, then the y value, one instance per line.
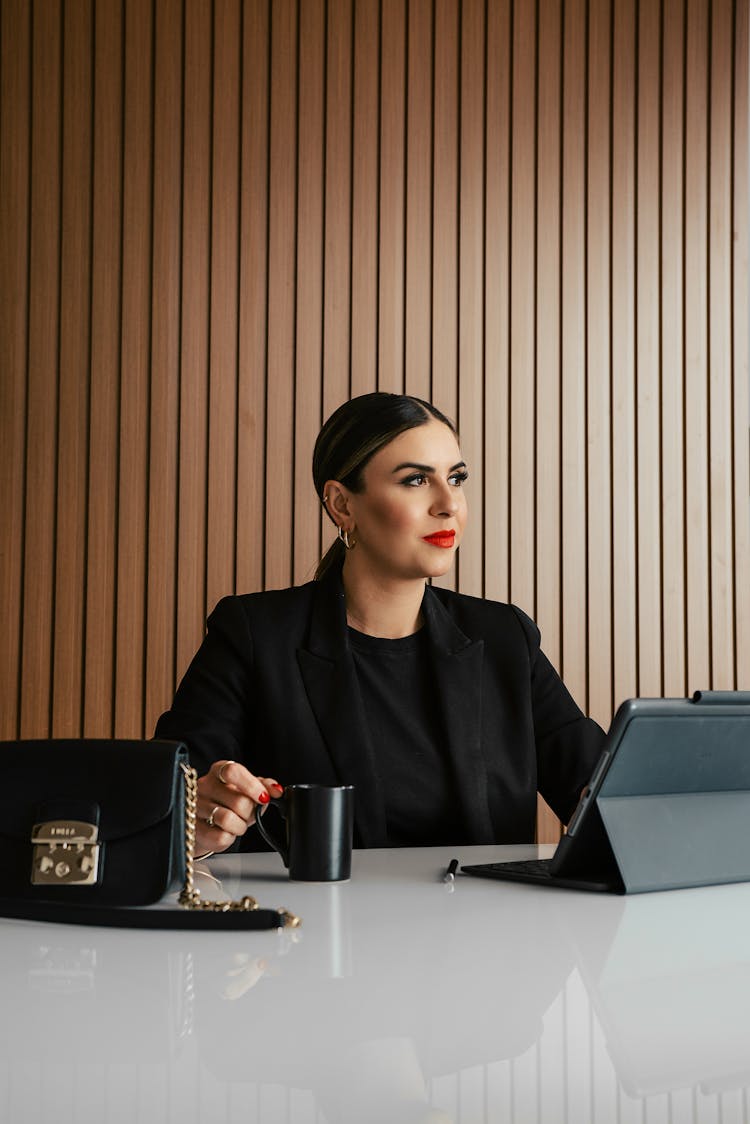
pixel 271 837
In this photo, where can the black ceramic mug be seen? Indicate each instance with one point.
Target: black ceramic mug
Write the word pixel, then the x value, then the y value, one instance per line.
pixel 315 836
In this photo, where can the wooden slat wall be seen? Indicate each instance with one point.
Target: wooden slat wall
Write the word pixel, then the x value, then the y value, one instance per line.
pixel 219 220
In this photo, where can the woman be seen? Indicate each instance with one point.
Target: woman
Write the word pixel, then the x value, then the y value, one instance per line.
pixel 440 708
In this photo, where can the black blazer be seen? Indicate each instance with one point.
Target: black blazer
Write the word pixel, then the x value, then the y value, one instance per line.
pixel 274 686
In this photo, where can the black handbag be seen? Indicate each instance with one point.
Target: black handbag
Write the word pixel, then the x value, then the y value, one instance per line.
pixel 92 830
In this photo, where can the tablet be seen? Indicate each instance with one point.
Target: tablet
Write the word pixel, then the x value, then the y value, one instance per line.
pixel 667 806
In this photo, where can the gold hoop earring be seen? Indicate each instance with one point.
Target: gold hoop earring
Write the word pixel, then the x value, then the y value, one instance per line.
pixel 344 537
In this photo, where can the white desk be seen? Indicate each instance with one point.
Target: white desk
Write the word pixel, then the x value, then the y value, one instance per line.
pixel 399 1000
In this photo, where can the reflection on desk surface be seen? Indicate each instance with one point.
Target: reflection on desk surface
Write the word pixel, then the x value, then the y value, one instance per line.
pixel 401 999
pixel 668 976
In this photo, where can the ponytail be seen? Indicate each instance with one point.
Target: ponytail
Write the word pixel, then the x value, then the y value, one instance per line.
pixel 333 556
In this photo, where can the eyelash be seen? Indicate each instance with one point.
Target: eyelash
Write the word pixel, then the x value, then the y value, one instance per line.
pixel 412 481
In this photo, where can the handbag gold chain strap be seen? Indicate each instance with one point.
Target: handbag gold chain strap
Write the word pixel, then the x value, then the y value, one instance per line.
pixel 190 896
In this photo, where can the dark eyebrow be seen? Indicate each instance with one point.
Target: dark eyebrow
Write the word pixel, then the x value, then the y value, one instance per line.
pixel 425 467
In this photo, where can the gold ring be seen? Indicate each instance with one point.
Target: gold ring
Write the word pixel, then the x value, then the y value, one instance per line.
pixel 221 770
pixel 210 819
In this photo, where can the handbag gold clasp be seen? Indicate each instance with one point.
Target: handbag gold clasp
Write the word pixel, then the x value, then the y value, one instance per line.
pixel 66 852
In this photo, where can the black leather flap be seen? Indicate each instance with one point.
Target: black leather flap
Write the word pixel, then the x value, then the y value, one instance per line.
pixel 133 784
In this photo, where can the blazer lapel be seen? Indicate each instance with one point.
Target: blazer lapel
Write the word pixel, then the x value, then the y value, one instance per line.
pixel 330 680
pixel 457 664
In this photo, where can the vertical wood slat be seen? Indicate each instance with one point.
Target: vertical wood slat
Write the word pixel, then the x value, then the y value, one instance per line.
pixel 572 400
pixel 253 298
pixel 741 343
pixel 696 349
pixel 194 333
pixel 73 396
pixel 222 396
pixel 338 207
pixel 106 250
pixel 522 221
pixel 523 307
pixel 281 293
pixel 672 350
pixel 15 119
pixel 417 350
pixel 598 381
pixel 720 344
pixel 573 389
pixel 135 347
pixel 647 382
pixel 338 377
pixel 391 192
pixel 497 268
pixel 309 302
pixel 365 148
pixel 36 718
pixel 546 564
pixel 445 208
pixel 471 279
pixel 624 523
pixel 165 356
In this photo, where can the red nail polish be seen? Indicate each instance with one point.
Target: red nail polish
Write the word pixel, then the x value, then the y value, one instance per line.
pixel 263 798
pixel 278 786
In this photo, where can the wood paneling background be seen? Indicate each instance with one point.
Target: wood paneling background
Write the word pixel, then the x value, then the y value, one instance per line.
pixel 219 220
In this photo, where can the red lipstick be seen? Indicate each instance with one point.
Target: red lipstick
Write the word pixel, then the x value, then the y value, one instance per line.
pixel 441 538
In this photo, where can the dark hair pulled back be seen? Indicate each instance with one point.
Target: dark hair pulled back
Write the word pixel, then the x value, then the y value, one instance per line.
pixel 353 434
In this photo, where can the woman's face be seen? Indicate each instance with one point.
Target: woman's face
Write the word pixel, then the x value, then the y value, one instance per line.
pixel 409 518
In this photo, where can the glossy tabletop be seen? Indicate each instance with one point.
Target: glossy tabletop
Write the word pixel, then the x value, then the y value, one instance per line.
pixel 401 999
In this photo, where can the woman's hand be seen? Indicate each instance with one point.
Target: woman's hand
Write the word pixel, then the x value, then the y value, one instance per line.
pixel 228 796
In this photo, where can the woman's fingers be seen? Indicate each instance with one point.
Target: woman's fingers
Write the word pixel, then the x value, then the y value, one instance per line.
pixel 224 819
pixel 231 785
pixel 274 789
pixel 231 776
pixel 228 795
pixel 211 839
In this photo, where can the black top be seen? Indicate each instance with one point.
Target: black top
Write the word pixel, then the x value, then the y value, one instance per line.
pixel 398 695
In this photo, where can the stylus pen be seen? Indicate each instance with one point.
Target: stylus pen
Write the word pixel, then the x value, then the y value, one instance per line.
pixel 450 873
